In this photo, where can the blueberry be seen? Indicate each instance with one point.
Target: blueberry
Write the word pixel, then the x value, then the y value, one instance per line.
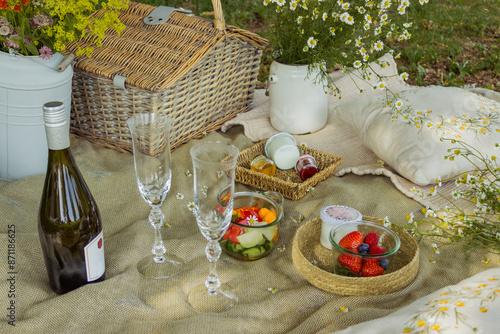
pixel 364 248
pixel 384 263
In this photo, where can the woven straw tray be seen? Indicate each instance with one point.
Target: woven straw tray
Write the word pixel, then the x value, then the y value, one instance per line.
pixel 286 182
pixel 307 247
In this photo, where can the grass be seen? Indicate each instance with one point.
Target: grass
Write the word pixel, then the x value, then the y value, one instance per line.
pixel 454 42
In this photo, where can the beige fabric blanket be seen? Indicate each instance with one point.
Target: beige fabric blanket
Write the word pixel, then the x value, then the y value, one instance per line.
pixel 273 295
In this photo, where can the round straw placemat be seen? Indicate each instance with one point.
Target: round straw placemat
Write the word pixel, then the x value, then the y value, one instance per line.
pixel 315 263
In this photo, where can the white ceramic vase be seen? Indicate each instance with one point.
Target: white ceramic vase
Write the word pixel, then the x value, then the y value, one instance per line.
pixel 298 105
pixel 26 83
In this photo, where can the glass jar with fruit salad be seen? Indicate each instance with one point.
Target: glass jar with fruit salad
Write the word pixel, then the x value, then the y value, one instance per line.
pixel 363 249
pixel 254 227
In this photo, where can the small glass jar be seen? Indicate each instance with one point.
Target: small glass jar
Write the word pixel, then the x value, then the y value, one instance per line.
pixel 278 198
pixel 334 215
pixel 306 166
pixel 282 149
pixel 263 165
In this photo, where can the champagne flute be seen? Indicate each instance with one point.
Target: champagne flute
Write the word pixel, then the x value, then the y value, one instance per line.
pixel 214 166
pixel 153 171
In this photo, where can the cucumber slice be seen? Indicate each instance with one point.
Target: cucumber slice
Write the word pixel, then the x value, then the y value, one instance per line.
pixel 250 239
pixel 269 232
pixel 253 252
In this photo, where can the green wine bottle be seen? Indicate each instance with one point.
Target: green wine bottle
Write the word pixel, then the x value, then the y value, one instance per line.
pixel 69 224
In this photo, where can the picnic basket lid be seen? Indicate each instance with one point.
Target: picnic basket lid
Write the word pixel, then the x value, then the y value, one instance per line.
pixel 155 57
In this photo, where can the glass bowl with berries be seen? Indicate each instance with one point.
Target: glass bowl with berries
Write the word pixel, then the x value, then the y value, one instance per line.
pixel 254 227
pixel 363 248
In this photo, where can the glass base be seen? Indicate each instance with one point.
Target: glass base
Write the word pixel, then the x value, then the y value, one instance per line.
pixel 201 301
pixel 170 266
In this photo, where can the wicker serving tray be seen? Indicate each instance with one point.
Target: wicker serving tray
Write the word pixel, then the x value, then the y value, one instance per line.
pixel 286 182
pixel 307 247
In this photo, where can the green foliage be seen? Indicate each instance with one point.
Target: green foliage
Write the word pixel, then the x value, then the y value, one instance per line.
pixel 443 30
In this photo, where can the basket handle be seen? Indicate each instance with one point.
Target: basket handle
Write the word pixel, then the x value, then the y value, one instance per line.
pixel 219 22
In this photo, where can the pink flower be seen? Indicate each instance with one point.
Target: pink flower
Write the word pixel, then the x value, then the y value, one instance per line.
pixel 11 43
pixel 45 52
pixel 40 20
pixel 27 40
pixel 4 30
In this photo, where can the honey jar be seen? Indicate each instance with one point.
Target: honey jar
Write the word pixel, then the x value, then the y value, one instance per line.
pixel 262 164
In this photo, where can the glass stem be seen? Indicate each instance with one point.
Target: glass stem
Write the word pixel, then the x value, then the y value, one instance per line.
pixel 213 252
pixel 156 218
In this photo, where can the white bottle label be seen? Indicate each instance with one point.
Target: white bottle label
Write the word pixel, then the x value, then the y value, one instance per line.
pixel 94 258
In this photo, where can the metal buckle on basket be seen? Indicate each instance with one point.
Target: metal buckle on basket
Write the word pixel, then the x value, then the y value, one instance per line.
pixel 162 13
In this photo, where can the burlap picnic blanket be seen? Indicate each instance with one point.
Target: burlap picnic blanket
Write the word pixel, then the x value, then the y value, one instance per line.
pixel 273 296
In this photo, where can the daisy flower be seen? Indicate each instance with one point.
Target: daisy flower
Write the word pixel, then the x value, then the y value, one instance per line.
pixel 456 194
pixel 293 5
pixel 378 45
pixel 179 196
pixel 404 76
pixel 439 182
pixel 311 42
pixel 385 4
pixel 346 18
pixel 380 85
pixel 357 64
pixel 252 220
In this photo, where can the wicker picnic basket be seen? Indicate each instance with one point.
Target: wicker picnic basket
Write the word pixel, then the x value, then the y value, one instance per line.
pixel 200 72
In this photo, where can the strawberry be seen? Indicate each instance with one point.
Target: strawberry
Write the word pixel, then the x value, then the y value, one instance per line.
pixel 371 268
pixel 351 241
pixel 371 238
pixel 350 261
pixel 375 250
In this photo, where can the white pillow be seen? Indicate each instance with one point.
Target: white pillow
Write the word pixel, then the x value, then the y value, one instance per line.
pixel 418 154
pixel 454 309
